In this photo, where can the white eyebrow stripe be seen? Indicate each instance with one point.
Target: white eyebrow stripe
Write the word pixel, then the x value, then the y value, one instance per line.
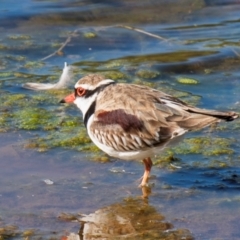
pixel 90 87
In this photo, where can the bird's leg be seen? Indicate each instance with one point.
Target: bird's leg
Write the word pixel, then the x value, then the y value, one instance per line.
pixel 148 165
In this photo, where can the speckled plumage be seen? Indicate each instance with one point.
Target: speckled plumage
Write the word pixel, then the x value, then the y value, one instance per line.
pixel 134 122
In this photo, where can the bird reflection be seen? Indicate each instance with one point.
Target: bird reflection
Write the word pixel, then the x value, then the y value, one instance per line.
pixel 146 191
pixel 131 219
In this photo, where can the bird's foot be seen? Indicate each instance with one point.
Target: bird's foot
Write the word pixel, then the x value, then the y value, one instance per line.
pixel 141 185
pixel 143 180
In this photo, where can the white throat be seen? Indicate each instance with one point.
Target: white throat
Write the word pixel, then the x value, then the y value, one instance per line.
pixel 84 103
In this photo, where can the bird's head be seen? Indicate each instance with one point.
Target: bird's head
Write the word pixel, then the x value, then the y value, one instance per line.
pixel 86 91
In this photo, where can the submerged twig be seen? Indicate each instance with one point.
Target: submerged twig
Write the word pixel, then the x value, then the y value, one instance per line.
pixel 144 32
pixel 235 52
pixel 59 50
pixel 68 40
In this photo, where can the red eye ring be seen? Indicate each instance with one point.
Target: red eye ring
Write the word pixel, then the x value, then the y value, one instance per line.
pixel 80 91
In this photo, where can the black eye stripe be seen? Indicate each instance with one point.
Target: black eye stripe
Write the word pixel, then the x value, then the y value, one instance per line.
pixel 75 92
pixel 91 109
pixel 89 93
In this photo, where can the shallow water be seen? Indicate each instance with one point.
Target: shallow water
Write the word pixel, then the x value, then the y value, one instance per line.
pixel 54 184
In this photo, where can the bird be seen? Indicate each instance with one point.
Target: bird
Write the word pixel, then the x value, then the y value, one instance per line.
pixel 135 122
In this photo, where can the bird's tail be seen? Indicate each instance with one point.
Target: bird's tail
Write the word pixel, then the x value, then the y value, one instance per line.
pixel 201 118
pixel 227 116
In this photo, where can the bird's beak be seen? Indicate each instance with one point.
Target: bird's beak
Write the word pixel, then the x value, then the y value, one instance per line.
pixel 68 99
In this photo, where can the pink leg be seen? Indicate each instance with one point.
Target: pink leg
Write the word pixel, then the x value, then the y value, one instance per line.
pixel 148 165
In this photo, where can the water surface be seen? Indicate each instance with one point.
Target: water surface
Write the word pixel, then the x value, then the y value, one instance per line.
pixel 54 184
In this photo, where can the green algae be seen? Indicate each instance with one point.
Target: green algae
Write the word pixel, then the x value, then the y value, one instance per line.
pixel 114 75
pixel 67 137
pixel 234 126
pixel 185 80
pixel 166 159
pixel 208 70
pixel 28 43
pixel 57 92
pixel 26 112
pixel 22 111
pixel 147 74
pixel 5 74
pixel 102 159
pixel 34 64
pixel 207 146
pixel 68 217
pixel 70 122
pixel 91 148
pixel 90 35
pixel 8 232
pixel 144 83
pixel 190 99
pixel 72 141
pixel 116 63
pixel 28 233
pixel 3 47
pixel 169 57
pixel 218 163
pixel 19 37
pixel 22 75
pixel 32 118
pixel 4 120
pixel 56 44
pixel 13 232
pixel 17 58
pixel 12 100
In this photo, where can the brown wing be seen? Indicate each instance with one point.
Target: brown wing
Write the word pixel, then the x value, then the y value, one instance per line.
pixel 132 117
pixel 126 118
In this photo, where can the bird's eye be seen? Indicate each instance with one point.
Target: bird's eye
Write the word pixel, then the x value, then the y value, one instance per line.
pixel 80 91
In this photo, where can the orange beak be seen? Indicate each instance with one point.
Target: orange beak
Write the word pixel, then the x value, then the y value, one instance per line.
pixel 68 99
